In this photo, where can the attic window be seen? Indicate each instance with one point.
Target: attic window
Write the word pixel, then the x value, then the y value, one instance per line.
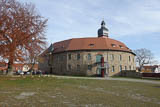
pixel 120 46
pixel 91 44
pixel 113 45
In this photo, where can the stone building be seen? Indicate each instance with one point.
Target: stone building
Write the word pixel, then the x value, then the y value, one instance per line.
pixel 82 56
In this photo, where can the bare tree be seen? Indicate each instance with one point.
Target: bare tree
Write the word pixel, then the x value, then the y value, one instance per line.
pixel 143 56
pixel 21 31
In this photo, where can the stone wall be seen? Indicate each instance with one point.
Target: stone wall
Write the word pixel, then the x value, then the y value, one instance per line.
pixel 59 63
pixel 132 73
pixel 62 64
pixel 43 63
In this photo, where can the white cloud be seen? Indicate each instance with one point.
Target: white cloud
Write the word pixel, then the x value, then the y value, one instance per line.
pixel 82 18
pixel 138 18
pixel 123 17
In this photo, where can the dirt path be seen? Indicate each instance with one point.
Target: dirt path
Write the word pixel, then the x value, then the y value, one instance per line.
pixel 110 78
pixel 135 80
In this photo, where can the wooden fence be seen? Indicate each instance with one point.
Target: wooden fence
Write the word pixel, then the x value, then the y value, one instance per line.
pixel 154 75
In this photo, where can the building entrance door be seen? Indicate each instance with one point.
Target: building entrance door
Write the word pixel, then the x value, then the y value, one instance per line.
pixel 98 62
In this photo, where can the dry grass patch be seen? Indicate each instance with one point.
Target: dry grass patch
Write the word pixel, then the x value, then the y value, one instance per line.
pixel 50 91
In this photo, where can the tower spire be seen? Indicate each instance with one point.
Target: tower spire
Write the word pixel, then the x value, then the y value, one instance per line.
pixel 102 23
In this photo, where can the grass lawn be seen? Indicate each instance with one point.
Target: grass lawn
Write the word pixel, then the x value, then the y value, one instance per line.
pixel 54 92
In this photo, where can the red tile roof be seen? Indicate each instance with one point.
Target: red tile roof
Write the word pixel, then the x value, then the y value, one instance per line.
pixel 94 43
pixel 150 67
pixel 3 66
pixel 21 65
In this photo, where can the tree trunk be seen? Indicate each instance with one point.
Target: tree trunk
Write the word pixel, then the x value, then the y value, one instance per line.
pixel 31 69
pixel 10 69
pixel 140 68
pixel 10 64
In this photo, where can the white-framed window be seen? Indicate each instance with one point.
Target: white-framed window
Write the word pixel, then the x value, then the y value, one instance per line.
pixel 120 57
pixel 61 57
pixel 78 56
pixel 129 58
pixel 69 67
pixel 69 56
pixel 112 68
pixel 120 67
pixel 58 58
pixel 112 57
pixel 129 67
pixel 89 56
pixel 89 67
pixel 78 67
pixel 125 67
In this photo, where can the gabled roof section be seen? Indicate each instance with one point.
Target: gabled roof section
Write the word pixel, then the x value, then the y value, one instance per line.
pixel 61 46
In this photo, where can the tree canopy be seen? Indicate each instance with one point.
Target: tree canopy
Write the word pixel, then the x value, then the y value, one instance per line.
pixel 22 31
pixel 144 56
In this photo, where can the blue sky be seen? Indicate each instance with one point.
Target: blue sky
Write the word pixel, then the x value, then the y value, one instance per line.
pixel 134 22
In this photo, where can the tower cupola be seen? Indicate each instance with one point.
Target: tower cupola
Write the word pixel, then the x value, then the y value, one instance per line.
pixel 103 31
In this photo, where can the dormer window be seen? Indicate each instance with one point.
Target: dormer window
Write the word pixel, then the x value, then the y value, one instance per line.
pixel 120 46
pixel 113 45
pixel 91 45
